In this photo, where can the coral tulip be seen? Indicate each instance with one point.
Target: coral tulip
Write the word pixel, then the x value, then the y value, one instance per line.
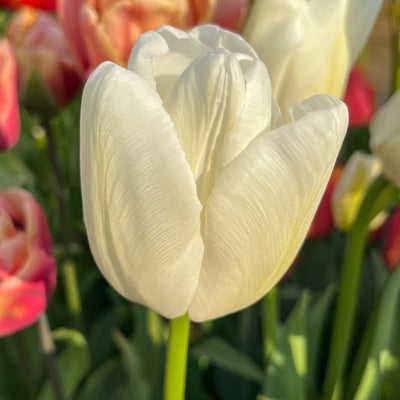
pixel 9 111
pixel 27 267
pixel 196 198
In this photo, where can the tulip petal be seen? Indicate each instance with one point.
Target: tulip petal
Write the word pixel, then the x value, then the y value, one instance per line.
pixel 262 205
pixel 385 137
pixel 361 16
pixel 216 38
pixel 143 224
pixel 204 105
pixel 161 57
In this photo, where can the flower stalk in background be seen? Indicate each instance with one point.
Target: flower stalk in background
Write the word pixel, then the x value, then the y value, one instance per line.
pixel 9 109
pixel 27 267
pixel 309 47
pixel 47 72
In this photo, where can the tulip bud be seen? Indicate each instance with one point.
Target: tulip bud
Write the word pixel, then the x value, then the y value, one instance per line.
pixel 27 267
pixel 360 170
pixel 47 74
pixel 359 98
pixel 385 137
pixel 196 198
pixel 310 46
pixel 9 111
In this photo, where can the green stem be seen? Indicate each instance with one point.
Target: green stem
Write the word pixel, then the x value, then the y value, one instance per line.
pixel 49 353
pixel 175 372
pixel 71 288
pixel 394 16
pixel 269 320
pixel 379 196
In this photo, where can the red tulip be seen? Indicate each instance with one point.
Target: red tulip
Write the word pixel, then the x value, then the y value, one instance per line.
pixel 230 14
pixel 27 267
pixel 391 249
pixel 45 63
pixel 48 5
pixel 9 111
pixel 322 224
pixel 359 98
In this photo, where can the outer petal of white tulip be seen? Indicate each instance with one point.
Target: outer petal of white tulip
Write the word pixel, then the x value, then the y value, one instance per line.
pixel 262 205
pixel 360 170
pixel 204 105
pixel 140 205
pixel 385 137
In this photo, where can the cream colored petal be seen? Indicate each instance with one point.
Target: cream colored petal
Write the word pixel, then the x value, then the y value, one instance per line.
pixel 141 211
pixel 204 105
pixel 216 38
pixel 256 113
pixel 361 17
pixel 261 207
pixel 385 137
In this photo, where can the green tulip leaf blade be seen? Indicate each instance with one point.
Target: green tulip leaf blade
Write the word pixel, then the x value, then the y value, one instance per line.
pixel 222 354
pixel 73 362
pixel 13 171
pixel 374 355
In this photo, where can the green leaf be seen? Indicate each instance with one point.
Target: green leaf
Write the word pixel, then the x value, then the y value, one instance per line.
pixel 138 384
pixel 73 362
pixel 374 354
pixel 222 354
pixel 13 172
pixel 287 368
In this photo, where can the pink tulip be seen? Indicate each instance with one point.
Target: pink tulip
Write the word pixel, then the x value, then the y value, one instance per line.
pixel 27 267
pixel 42 54
pixel 9 111
pixel 100 30
pixel 359 98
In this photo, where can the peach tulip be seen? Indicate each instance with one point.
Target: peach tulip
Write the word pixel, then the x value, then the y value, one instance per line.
pixel 27 267
pixel 9 111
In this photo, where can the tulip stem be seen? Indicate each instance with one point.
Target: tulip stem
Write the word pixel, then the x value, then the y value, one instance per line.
pixel 49 353
pixel 380 195
pixel 269 318
pixel 175 371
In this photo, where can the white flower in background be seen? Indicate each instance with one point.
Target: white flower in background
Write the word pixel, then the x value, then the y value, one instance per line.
pixel 195 198
pixel 309 46
pixel 360 170
pixel 385 137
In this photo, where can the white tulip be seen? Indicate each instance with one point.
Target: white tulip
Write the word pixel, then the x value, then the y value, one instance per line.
pixel 385 137
pixel 195 198
pixel 360 170
pixel 309 46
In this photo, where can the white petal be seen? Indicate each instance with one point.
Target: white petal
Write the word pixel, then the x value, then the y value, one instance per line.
pixel 139 197
pixel 261 207
pixel 217 38
pixel 361 17
pixel 385 137
pixel 204 105
pixel 256 113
